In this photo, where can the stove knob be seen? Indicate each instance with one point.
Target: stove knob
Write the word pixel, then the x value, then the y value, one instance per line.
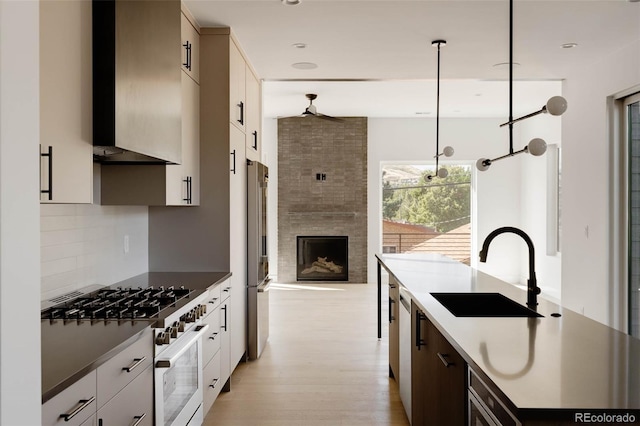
pixel 197 312
pixel 181 326
pixel 174 331
pixel 189 317
pixel 162 338
pixel 203 309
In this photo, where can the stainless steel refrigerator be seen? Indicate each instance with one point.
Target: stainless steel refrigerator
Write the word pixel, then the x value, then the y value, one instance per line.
pixel 257 259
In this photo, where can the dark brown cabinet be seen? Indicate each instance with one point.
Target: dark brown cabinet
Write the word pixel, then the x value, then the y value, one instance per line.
pixel 438 382
pixel 394 329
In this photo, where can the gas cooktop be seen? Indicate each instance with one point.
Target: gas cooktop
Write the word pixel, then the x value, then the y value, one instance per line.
pixel 119 303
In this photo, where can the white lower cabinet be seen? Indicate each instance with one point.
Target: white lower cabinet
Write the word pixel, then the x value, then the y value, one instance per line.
pixel 133 405
pixel 216 343
pixel 91 421
pixel 225 341
pixel 72 406
pixel 120 391
pixel 212 381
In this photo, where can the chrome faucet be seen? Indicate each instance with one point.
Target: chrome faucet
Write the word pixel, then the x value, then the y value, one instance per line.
pixel 532 288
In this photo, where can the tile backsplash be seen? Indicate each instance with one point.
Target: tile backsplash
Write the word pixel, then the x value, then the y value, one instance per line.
pixel 84 244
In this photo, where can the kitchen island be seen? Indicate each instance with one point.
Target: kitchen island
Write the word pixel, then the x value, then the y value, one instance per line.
pixel 561 368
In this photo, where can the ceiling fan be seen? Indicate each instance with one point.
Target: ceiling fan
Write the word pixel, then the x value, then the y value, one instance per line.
pixel 311 110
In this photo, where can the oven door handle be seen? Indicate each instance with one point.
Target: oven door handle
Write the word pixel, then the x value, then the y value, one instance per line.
pixel 174 352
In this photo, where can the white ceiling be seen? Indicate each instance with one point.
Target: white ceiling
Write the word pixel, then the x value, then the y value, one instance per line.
pixel 375 57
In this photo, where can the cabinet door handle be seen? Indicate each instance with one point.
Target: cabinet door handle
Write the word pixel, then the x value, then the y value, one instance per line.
pixel 445 361
pixel 419 318
pixel 213 301
pixel 81 405
pixel 233 154
pixel 214 383
pixel 188 181
pixel 391 317
pixel 241 119
pixel 187 47
pixel 255 140
pixel 213 336
pixel 48 154
pixel 136 362
pixel 138 419
pixel 224 308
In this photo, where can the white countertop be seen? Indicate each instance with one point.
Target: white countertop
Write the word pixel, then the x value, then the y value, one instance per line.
pixel 565 363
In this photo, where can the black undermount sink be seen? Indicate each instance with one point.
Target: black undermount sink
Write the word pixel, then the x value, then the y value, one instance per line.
pixel 483 305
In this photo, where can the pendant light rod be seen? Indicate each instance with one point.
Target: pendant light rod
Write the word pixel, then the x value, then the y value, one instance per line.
pixel 511 77
pixel 448 151
pixel 556 105
pixel 438 43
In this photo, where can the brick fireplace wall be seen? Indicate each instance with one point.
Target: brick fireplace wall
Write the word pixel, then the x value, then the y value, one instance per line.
pixel 333 205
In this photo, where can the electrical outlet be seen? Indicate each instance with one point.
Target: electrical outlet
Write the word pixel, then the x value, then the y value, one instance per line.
pixel 126 244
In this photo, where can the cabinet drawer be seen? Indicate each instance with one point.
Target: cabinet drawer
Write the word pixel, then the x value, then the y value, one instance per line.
pixel 212 381
pixel 133 405
pixel 211 340
pixel 225 290
pixel 214 298
pixel 72 406
pixel 116 373
pixel 489 402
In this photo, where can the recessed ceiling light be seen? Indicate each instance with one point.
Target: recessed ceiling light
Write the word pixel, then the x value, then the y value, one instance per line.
pixel 290 2
pixel 569 45
pixel 423 112
pixel 299 45
pixel 305 65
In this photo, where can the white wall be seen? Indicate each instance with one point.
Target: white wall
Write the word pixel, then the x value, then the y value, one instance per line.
pixel 497 191
pixel 587 179
pixel 534 202
pixel 83 244
pixel 20 378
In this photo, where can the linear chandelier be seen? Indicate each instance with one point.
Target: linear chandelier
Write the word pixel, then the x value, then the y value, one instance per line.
pixel 447 151
pixel 556 105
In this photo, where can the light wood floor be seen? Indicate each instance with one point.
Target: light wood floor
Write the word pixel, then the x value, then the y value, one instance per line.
pixel 323 364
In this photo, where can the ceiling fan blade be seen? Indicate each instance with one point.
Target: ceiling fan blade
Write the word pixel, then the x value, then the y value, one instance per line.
pixel 329 118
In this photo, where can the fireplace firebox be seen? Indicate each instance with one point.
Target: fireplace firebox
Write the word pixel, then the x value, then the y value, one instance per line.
pixel 322 258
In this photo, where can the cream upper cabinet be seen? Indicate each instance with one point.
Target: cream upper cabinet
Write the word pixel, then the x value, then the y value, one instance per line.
pixel 66 147
pixel 254 116
pixel 190 49
pixel 237 89
pixel 183 180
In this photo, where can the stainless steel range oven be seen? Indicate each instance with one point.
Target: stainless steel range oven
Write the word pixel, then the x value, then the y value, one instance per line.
pixel 176 315
pixel 178 367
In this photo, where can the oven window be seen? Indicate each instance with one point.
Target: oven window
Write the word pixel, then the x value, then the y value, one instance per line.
pixel 180 383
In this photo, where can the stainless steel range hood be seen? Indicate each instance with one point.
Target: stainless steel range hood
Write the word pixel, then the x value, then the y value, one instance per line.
pixel 136 81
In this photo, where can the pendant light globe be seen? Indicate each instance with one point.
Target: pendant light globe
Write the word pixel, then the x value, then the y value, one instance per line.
pixel 443 173
pixel 556 105
pixel 483 164
pixel 447 151
pixel 537 147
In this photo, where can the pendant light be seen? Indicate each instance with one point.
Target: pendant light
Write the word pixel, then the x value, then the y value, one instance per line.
pixel 447 151
pixel 556 105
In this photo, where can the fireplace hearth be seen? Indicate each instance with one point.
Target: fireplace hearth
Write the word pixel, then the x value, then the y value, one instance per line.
pixel 322 258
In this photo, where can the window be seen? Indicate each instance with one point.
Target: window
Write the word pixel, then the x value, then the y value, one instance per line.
pixel 428 217
pixel 632 129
